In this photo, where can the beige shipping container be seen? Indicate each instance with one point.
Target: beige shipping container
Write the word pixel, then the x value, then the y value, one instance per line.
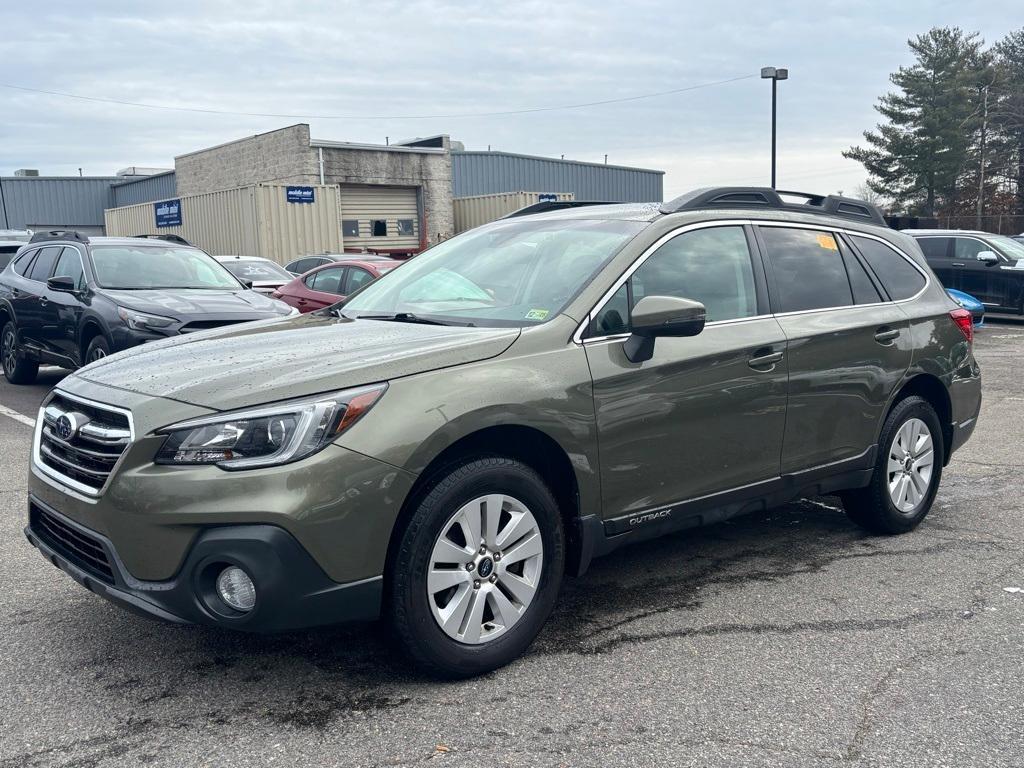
pixel 250 221
pixel 473 211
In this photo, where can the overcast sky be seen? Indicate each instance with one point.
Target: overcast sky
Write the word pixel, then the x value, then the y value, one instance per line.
pixel 427 58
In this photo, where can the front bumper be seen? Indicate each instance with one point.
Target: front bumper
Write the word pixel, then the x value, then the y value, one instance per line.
pixel 292 591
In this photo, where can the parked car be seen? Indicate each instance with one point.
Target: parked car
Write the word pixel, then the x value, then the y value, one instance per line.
pixel 69 300
pixel 11 241
pixel 1019 238
pixel 303 264
pixel 466 430
pixel 971 304
pixel 986 266
pixel 262 275
pixel 331 283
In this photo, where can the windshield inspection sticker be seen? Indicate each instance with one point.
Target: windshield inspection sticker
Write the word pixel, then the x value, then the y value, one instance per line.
pixel 537 314
pixel 827 241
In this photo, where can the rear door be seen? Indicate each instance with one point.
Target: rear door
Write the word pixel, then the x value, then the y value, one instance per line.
pixel 846 353
pixel 705 414
pixel 938 252
pixel 32 302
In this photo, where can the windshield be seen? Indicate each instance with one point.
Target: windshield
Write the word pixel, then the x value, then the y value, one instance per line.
pixel 513 273
pixel 1012 248
pixel 141 267
pixel 251 269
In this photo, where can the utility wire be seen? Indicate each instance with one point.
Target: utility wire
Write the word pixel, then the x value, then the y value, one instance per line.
pixel 170 108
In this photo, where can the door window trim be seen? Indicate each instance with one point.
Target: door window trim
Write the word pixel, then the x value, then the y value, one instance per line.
pixel 578 336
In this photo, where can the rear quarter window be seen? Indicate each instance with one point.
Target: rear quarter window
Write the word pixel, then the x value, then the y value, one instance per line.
pixel 898 276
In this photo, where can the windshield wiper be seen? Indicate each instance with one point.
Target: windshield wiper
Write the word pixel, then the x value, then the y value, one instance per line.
pixel 409 317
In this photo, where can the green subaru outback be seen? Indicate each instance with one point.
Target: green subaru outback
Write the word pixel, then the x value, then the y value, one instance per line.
pixel 446 445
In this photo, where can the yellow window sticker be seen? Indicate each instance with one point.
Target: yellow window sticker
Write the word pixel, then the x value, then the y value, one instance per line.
pixel 537 314
pixel 827 241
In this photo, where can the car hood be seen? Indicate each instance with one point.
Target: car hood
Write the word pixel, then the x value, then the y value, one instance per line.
pixel 272 360
pixel 188 303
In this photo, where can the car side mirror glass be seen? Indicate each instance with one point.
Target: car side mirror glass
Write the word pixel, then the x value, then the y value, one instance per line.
pixel 61 283
pixel 655 316
pixel 988 257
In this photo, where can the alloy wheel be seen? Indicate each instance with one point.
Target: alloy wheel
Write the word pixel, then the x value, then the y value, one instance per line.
pixel 96 354
pixel 484 568
pixel 10 352
pixel 909 469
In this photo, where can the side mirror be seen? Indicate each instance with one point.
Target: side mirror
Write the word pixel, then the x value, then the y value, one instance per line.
pixel 247 284
pixel 655 316
pixel 61 283
pixel 988 258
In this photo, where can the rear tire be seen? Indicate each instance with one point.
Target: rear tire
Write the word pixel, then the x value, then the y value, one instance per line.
pixel 456 608
pixel 97 350
pixel 907 471
pixel 17 370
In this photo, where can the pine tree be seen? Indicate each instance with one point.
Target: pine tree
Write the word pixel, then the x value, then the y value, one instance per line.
pixel 918 156
pixel 1008 115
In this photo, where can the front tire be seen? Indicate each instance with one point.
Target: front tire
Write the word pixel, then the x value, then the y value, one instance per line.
pixel 17 370
pixel 907 472
pixel 98 349
pixel 477 569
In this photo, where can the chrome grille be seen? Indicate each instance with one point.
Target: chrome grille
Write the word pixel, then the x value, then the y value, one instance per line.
pixel 79 441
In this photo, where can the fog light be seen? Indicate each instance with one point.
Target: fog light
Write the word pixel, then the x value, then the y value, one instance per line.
pixel 236 589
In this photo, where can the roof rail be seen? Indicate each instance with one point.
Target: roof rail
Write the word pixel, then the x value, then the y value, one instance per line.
pixel 171 238
pixel 554 205
pixel 767 198
pixel 59 234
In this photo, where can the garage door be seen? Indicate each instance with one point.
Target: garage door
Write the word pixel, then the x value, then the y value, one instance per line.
pixel 380 218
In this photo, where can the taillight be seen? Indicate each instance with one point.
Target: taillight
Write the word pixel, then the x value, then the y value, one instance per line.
pixel 963 321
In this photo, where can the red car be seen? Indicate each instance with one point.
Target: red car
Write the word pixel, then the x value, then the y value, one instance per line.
pixel 331 283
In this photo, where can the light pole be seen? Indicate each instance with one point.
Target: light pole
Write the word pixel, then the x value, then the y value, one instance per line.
pixel 774 74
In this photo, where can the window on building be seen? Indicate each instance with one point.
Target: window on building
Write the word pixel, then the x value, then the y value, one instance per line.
pixel 350 228
pixel 407 227
pixel 808 268
pixel 899 278
pixel 379 227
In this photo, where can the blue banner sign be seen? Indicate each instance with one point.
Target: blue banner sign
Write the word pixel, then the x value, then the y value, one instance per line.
pixel 168 213
pixel 299 194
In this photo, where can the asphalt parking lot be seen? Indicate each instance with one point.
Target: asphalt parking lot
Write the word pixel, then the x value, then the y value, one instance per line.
pixel 787 638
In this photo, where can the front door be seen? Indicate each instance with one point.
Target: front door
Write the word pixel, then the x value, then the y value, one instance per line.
pixel 705 414
pixel 978 278
pixel 63 311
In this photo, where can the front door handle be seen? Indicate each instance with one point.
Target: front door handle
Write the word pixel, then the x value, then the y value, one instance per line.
pixel 959 264
pixel 885 335
pixel 763 358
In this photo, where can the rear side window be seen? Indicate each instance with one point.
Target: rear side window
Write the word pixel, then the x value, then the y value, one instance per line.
pixel 935 248
pixel 900 279
pixel 808 268
pixel 43 264
pixel 22 264
pixel 327 280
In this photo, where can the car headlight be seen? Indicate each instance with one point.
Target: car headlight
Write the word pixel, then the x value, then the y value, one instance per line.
pixel 266 436
pixel 140 321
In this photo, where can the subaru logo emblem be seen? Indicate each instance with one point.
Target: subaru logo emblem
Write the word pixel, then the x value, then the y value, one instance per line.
pixel 66 426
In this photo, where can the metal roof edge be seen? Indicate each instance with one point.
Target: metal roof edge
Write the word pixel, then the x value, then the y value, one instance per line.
pixel 556 160
pixel 325 144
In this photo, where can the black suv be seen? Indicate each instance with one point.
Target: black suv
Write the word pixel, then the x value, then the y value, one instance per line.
pixel 988 267
pixel 68 300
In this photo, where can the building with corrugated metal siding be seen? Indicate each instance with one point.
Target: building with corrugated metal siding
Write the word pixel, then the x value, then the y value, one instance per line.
pixel 488 173
pixel 159 186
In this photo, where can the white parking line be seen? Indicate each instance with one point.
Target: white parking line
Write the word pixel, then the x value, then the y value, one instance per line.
pixel 26 420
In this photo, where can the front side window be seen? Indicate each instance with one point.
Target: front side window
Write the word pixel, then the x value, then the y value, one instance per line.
pixel 357 278
pixel 43 264
pixel 147 267
pixel 70 265
pixel 510 273
pixel 711 266
pixel 808 269
pixel 899 278
pixel 967 248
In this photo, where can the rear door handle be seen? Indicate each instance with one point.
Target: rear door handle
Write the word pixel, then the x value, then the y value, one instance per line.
pixel 885 335
pixel 959 264
pixel 768 358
